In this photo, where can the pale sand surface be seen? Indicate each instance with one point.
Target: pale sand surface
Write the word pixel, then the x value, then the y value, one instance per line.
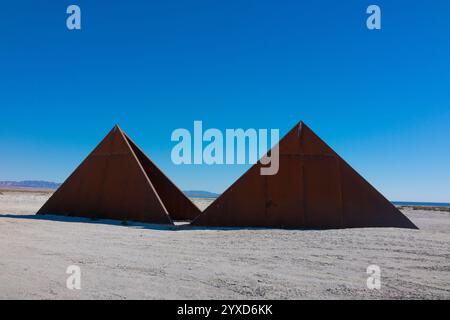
pixel 141 261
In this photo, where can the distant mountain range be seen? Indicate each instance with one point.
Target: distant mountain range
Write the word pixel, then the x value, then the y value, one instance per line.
pixel 200 194
pixel 47 185
pixel 31 184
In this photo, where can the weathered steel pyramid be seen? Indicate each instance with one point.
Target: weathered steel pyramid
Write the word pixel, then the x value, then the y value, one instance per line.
pixel 118 181
pixel 314 188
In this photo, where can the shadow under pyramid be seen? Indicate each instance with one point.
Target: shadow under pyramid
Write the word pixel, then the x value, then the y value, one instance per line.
pixel 118 181
pixel 314 188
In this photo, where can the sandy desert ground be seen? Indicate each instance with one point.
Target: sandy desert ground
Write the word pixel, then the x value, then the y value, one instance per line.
pixel 142 261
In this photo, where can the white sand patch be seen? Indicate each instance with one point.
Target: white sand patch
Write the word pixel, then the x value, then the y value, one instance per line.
pixel 142 261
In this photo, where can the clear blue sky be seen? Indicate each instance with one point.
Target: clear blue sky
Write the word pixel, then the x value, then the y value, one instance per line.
pixel 381 99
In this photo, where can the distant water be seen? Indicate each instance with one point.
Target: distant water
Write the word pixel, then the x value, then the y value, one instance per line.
pixel 422 204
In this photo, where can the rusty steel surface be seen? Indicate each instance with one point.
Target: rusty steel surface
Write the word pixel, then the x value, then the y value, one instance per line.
pixel 177 204
pixel 314 188
pixel 111 183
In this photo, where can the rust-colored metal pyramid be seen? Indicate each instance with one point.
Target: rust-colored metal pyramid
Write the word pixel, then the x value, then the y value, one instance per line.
pixel 118 181
pixel 314 188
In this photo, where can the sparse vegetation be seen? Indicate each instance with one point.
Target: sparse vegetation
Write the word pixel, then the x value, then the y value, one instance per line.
pixel 427 208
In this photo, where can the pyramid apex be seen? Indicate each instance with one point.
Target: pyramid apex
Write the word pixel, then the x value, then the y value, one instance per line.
pixel 117 127
pixel 298 127
pixel 301 123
